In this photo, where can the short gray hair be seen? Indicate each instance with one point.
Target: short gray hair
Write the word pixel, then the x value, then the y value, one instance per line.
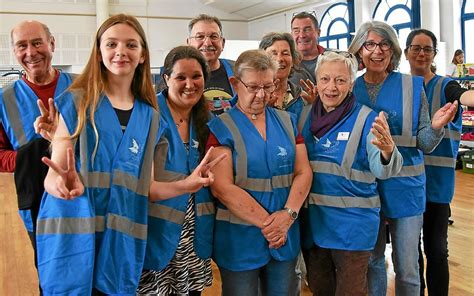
pixel 334 56
pixel 254 59
pixel 385 31
pixel 207 19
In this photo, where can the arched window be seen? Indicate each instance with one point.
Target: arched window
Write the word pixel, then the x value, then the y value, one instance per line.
pixel 335 27
pixel 402 15
pixel 467 21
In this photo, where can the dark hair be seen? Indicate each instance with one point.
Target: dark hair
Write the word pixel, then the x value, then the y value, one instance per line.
pixel 303 15
pixel 199 113
pixel 204 18
pixel 272 37
pixel 456 53
pixel 416 32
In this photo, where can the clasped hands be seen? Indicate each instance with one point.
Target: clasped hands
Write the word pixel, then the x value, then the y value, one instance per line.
pixel 275 228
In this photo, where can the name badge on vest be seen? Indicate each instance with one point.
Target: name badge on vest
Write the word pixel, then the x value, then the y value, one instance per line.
pixel 343 136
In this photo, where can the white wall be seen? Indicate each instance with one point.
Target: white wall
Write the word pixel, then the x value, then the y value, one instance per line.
pixel 74 25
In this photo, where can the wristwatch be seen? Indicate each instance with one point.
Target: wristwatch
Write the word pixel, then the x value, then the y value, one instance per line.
pixel 293 214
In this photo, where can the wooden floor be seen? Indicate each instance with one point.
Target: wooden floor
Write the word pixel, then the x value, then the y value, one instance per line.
pixel 18 275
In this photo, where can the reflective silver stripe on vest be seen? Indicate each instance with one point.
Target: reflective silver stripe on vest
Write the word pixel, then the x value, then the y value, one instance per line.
pixel 226 215
pixel 99 223
pixel 345 169
pixel 453 135
pixel 288 126
pixel 304 116
pixel 411 170
pixel 165 213
pixel 161 174
pixel 66 226
pixel 344 201
pixel 9 99
pixel 205 208
pixel 407 138
pixel 353 142
pixel 404 141
pixel 436 99
pixel 127 226
pixel 241 177
pixel 440 161
pixel 71 225
pixel 335 169
pixel 96 180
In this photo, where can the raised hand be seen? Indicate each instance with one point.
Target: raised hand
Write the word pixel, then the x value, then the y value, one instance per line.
pixel 444 115
pixel 383 139
pixel 309 90
pixel 68 185
pixel 46 123
pixel 276 228
pixel 202 175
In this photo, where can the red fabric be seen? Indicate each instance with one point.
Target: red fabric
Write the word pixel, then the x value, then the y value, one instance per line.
pixel 7 154
pixel 299 139
pixel 212 141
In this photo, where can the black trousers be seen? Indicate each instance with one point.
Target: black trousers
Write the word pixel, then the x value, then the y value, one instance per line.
pixel 435 244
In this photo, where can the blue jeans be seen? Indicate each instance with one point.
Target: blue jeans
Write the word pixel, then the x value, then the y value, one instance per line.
pixel 404 233
pixel 276 278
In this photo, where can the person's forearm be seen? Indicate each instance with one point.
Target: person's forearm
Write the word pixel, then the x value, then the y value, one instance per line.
pixel 241 204
pixel 299 191
pixel 427 138
pixel 467 98
pixel 166 190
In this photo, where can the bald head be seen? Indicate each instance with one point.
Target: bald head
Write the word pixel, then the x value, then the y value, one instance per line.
pixel 33 46
pixel 31 24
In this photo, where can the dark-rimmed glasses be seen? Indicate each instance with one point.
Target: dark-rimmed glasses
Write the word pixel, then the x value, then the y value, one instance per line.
pixel 268 89
pixel 383 45
pixel 428 50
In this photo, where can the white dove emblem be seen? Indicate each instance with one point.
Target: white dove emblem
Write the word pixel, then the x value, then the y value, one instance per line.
pixel 283 152
pixel 134 148
pixel 327 144
pixel 195 144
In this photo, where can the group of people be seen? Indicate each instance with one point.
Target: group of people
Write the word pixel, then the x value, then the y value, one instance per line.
pixel 248 163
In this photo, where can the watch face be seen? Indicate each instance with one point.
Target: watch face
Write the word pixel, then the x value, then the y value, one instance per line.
pixel 294 215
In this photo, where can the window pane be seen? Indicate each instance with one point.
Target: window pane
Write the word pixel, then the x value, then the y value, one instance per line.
pixel 469 6
pixel 333 44
pixel 469 54
pixel 398 16
pixel 338 28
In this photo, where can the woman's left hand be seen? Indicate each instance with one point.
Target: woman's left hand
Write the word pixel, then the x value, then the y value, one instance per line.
pixel 444 115
pixel 383 139
pixel 309 90
pixel 202 175
pixel 276 228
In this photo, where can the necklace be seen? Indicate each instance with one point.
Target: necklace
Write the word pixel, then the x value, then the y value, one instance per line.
pixel 180 122
pixel 253 116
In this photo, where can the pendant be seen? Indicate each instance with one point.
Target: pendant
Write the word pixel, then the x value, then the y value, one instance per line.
pixel 254 116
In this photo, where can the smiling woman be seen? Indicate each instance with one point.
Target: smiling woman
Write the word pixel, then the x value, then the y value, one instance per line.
pixel 333 128
pixel 403 98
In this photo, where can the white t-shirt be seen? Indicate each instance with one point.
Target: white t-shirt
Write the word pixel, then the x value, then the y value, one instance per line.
pixel 452 70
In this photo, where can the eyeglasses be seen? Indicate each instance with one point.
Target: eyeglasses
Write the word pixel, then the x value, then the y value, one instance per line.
pixel 256 88
pixel 371 46
pixel 202 37
pixel 305 13
pixel 345 54
pixel 428 50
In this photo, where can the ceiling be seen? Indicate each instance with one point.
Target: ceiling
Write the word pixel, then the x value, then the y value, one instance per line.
pixel 253 9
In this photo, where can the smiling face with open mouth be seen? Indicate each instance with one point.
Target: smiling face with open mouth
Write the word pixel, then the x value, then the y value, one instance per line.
pixel 33 49
pixel 207 38
pixel 378 60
